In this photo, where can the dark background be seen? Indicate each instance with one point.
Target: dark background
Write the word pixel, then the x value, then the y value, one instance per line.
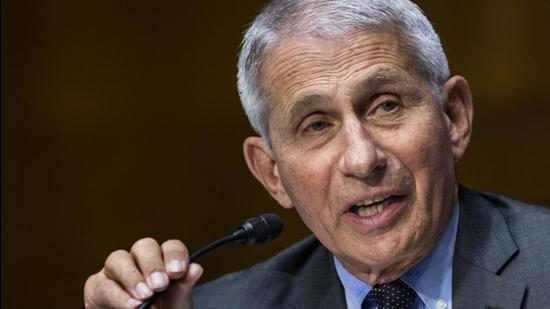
pixel 120 119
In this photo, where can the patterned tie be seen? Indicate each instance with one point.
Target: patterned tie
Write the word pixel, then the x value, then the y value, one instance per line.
pixel 392 295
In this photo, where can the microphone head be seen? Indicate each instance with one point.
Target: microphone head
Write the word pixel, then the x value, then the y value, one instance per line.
pixel 260 229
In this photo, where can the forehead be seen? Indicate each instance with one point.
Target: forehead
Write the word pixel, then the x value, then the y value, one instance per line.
pixel 295 68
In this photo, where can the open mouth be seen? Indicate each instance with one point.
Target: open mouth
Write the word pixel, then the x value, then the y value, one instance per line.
pixel 374 206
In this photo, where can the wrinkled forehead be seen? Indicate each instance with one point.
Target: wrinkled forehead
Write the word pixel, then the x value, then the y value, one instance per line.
pixel 298 65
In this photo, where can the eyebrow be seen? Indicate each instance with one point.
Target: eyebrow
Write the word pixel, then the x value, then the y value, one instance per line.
pixel 376 81
pixel 305 103
pixel 373 83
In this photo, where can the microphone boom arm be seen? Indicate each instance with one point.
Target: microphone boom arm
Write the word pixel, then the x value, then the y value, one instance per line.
pixel 211 246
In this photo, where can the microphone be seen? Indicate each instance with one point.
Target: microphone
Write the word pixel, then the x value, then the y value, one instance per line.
pixel 256 230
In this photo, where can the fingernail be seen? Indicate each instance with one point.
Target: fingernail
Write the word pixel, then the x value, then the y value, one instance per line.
pixel 132 303
pixel 175 266
pixel 143 290
pixel 158 279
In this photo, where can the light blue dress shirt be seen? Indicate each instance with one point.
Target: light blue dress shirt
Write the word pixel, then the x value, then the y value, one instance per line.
pixel 431 278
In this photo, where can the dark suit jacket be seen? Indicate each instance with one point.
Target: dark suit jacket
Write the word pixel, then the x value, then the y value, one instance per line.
pixel 502 260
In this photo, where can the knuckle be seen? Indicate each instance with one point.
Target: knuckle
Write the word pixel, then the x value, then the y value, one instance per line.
pixel 115 256
pixel 174 244
pixel 103 288
pixel 102 292
pixel 88 286
pixel 144 243
pixel 90 298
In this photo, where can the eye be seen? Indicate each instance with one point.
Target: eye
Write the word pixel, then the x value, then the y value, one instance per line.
pixel 317 126
pixel 385 105
pixel 388 106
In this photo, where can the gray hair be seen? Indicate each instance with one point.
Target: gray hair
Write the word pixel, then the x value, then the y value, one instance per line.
pixel 330 18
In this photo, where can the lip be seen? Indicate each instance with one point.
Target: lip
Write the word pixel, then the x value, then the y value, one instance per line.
pixel 368 224
pixel 372 196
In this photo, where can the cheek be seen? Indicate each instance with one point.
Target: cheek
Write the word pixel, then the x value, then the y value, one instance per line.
pixel 424 153
pixel 424 149
pixel 305 174
pixel 300 180
pixel 307 182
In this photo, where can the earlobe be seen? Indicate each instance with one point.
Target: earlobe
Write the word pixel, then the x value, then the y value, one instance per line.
pixel 459 112
pixel 262 164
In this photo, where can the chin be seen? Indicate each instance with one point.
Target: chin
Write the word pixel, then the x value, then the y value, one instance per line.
pixel 384 259
pixel 379 269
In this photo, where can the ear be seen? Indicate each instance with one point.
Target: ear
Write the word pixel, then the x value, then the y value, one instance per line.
pixel 459 110
pixel 262 164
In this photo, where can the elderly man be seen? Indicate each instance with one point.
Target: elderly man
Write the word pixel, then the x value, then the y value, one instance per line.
pixel 360 128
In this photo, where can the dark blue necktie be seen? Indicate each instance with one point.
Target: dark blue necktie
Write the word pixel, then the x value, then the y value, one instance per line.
pixel 392 295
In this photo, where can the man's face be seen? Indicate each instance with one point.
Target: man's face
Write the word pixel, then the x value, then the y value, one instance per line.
pixel 361 148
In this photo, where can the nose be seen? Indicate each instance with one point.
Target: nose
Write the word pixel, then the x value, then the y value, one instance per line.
pixel 362 157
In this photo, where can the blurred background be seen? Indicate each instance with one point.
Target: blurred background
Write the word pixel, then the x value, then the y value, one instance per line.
pixel 120 119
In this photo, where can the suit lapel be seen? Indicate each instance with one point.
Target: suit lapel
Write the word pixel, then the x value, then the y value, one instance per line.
pixel 483 247
pixel 318 285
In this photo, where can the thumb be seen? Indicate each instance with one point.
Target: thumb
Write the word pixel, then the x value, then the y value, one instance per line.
pixel 179 295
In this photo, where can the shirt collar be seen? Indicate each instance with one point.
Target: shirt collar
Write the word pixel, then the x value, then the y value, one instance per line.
pixel 431 278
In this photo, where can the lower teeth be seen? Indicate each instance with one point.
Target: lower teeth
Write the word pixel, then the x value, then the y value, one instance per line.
pixel 367 211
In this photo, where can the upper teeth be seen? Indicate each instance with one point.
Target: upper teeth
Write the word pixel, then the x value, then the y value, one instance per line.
pixel 372 201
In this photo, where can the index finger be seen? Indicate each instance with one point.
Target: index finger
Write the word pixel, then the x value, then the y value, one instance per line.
pixel 102 292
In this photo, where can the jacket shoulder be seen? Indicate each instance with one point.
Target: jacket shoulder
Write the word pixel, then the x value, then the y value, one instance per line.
pixel 277 276
pixel 529 224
